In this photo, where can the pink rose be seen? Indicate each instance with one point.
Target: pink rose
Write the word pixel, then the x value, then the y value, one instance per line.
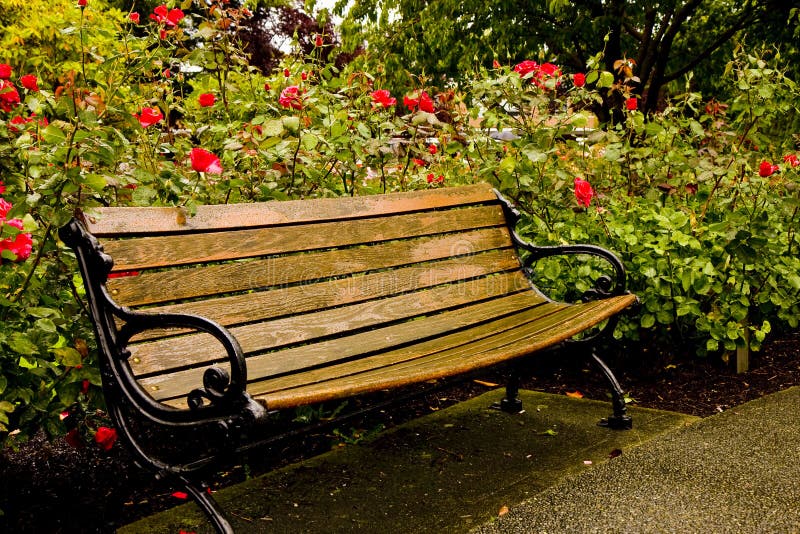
pixel 290 98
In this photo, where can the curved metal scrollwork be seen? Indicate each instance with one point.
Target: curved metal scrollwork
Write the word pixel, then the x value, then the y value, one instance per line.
pixel 215 383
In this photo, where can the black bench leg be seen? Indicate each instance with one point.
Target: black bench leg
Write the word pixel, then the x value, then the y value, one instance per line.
pixel 208 505
pixel 619 420
pixel 511 403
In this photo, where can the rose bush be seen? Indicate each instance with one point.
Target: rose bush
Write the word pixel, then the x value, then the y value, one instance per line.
pixel 163 108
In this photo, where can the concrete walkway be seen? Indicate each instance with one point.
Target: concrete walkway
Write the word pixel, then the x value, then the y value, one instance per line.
pixel 448 472
pixel 736 472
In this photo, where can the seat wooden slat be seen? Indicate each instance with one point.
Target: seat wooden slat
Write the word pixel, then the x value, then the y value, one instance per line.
pixel 342 348
pixel 169 353
pixel 191 282
pixel 429 361
pixel 113 221
pixel 447 355
pixel 172 250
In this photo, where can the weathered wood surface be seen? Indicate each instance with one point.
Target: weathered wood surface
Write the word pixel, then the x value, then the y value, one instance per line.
pixel 333 297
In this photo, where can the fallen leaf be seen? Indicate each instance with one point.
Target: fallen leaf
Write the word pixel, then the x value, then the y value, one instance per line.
pixel 575 394
pixel 587 462
pixel 549 432
pixel 485 383
pixel 182 495
pixel 503 511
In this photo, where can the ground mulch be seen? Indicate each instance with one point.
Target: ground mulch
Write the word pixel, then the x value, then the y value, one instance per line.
pixel 51 487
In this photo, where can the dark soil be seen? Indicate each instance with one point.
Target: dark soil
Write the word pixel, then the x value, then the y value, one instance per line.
pixel 51 487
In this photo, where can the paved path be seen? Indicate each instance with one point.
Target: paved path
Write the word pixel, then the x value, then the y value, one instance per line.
pixel 736 472
pixel 446 472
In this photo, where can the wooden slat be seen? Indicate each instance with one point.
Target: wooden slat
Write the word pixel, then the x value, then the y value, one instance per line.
pixel 483 345
pixel 478 354
pixel 446 356
pixel 259 306
pixel 170 353
pixel 330 351
pixel 174 285
pixel 166 251
pixel 135 221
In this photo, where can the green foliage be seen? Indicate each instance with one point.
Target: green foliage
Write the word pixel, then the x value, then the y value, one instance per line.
pixel 710 245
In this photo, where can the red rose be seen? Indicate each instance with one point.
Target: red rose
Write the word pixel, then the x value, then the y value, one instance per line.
pixel 149 116
pixel 134 17
pixel 767 169
pixel 318 41
pixel 425 103
pixel 383 98
pixel 290 98
pixel 20 245
pixel 632 104
pixel 205 161
pixel 526 67
pixel 29 82
pixel 9 97
pixel 496 64
pixel 286 73
pixel 419 162
pixel 304 75
pixel 432 149
pixel 207 99
pixel 105 437
pixel 583 192
pixel 791 159
pixel 5 207
pixel 579 79
pixel 81 3
pixel 267 87
pixel 167 73
pixel 5 71
pixel 169 17
pixel 2 188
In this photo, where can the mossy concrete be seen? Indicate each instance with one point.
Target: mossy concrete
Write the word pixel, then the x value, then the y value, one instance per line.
pixel 446 472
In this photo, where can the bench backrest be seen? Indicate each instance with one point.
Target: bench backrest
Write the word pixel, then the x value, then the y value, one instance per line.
pixel 287 274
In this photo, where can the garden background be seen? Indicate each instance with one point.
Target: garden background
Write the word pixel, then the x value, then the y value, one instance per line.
pixel 632 127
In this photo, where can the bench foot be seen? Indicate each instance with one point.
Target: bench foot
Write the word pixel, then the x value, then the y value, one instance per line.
pixel 512 406
pixel 620 420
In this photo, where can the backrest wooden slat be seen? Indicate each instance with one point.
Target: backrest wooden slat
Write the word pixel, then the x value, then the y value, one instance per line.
pixel 104 222
pixel 297 299
pixel 188 283
pixel 172 250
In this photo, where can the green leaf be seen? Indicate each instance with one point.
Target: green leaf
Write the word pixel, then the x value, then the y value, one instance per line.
pixel 67 356
pixel 54 135
pixel 21 344
pixel 291 123
pixel 309 141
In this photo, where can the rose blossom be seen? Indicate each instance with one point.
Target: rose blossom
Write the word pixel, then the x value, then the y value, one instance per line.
pixel 29 82
pixel 20 245
pixel 767 169
pixel 205 161
pixel 583 192
pixel 134 17
pixel 526 67
pixel 579 79
pixel 9 96
pixel 632 104
pixel 5 71
pixel 290 98
pixel 207 99
pixel 791 159
pixel 382 97
pixel 149 116
pixel 105 437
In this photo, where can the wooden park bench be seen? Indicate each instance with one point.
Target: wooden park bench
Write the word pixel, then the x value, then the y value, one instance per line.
pixel 216 320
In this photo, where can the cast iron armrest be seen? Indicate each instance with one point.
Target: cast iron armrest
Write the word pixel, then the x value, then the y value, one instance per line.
pixel 605 286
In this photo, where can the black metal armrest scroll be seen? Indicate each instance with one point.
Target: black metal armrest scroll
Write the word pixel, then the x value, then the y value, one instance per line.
pixel 605 286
